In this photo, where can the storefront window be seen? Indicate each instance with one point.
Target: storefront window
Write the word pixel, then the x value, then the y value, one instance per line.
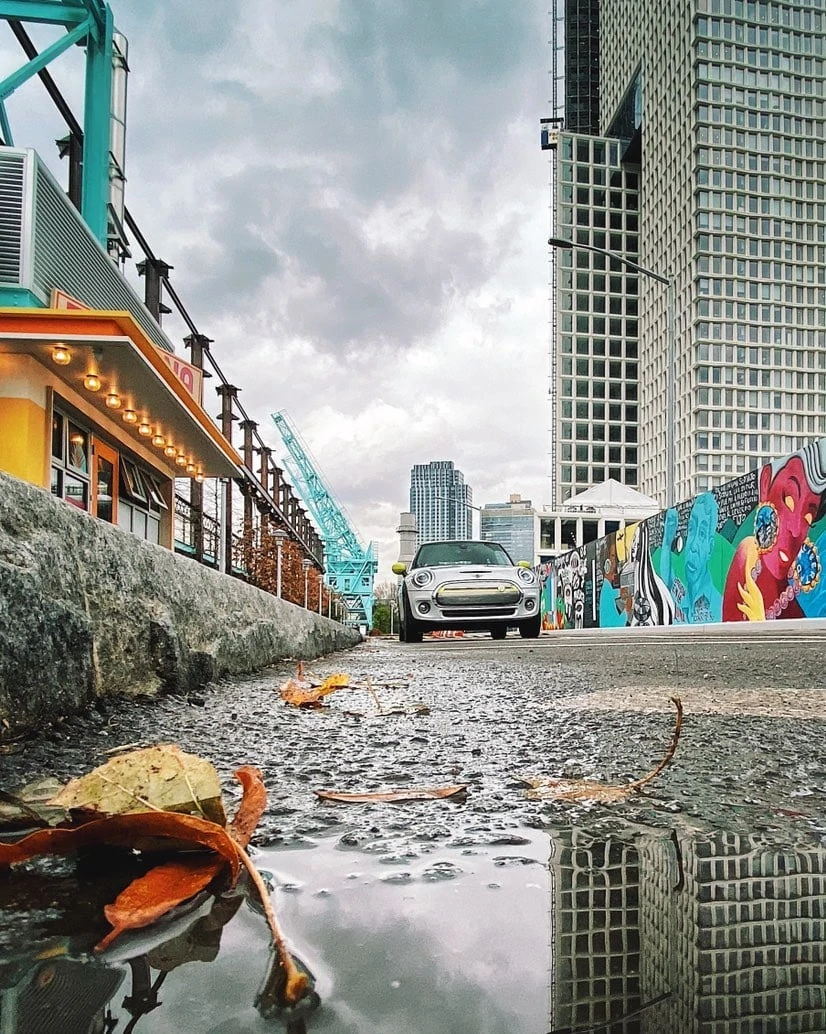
pixel 141 501
pixel 70 461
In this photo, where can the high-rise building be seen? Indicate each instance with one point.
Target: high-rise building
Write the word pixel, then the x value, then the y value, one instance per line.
pixel 708 173
pixel 440 501
pixel 512 524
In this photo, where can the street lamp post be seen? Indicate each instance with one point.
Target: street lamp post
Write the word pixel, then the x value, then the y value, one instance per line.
pixel 670 346
pixel 306 564
pixel 279 535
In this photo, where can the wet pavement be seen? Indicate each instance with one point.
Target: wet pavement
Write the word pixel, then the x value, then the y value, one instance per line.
pixel 694 905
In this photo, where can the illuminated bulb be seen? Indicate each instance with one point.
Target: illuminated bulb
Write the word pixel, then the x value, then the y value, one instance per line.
pixel 143 428
pixel 91 382
pixel 61 355
pixel 191 468
pixel 170 450
pixel 159 440
pixel 130 416
pixel 113 400
pixel 180 459
pixel 199 477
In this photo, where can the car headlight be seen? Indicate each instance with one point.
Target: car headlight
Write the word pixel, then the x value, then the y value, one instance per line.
pixel 527 576
pixel 422 578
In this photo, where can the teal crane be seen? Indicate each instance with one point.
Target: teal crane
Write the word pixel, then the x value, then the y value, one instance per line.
pixel 351 569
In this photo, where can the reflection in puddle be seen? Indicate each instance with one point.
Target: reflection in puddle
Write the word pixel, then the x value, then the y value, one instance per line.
pixel 655 933
pixel 717 933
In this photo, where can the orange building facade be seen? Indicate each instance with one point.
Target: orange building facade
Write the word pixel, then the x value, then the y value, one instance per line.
pixel 93 411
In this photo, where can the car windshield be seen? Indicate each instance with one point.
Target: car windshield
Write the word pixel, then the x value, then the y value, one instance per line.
pixel 437 554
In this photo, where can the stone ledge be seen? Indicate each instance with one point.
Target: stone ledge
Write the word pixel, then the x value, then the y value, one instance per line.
pixel 88 610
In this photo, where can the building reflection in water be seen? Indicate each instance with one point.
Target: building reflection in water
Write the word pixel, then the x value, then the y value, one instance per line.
pixel 687 934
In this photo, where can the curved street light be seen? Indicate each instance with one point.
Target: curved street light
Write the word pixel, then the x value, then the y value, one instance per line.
pixel 560 242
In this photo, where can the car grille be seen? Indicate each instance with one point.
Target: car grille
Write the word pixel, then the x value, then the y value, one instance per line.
pixel 478 612
pixel 478 594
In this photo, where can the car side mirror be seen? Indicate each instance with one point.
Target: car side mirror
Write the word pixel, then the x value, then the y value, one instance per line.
pixel 399 568
pixel 524 563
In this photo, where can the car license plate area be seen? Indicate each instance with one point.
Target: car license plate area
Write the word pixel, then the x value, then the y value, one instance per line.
pixel 485 594
pixel 478 612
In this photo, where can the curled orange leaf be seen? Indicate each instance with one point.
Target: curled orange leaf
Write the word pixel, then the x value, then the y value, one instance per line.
pixel 160 828
pixel 302 694
pixel 149 897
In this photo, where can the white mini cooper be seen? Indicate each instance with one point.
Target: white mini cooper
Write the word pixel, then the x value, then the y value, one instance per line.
pixel 468 585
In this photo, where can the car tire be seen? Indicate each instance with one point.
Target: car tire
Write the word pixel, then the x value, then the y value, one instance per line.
pixel 499 631
pixel 531 628
pixel 409 629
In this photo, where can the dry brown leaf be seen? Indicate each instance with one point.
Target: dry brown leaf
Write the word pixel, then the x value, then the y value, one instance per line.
pixel 545 789
pixel 161 778
pixel 300 693
pixel 394 796
pixel 252 804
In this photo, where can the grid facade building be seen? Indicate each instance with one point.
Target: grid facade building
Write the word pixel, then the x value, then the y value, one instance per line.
pixel 440 501
pixel 739 945
pixel 595 885
pixel 717 108
pixel 722 933
pixel 575 42
pixel 596 317
pixel 512 524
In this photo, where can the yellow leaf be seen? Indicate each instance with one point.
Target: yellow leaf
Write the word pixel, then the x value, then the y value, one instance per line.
pixel 300 694
pixel 161 778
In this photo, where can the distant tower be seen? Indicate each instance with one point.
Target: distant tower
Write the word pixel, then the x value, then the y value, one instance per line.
pixel 408 537
pixel 440 501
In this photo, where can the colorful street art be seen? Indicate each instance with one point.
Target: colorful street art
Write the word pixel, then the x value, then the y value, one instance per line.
pixel 750 550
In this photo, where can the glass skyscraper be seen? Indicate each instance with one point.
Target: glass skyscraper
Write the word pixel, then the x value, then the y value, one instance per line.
pixel 440 501
pixel 709 171
pixel 512 524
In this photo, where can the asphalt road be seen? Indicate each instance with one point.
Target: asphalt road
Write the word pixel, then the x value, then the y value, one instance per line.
pixel 484 713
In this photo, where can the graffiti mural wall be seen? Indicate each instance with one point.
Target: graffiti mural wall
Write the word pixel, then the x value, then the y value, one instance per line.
pixel 750 550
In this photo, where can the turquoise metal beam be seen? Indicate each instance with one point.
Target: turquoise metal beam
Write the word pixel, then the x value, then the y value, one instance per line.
pixel 96 117
pixel 5 128
pixel 16 79
pixel 44 12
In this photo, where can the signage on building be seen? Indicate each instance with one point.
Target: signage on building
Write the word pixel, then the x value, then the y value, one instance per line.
pixel 61 300
pixel 190 376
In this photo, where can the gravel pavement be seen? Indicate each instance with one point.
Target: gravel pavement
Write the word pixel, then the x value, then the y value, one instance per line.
pixel 750 758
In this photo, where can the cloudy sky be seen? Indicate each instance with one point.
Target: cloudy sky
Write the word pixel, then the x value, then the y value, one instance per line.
pixel 355 203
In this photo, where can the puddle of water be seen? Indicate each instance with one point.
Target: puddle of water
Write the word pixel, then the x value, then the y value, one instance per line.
pixel 680 933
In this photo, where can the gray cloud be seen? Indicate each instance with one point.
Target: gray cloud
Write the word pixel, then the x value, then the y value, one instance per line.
pixel 349 194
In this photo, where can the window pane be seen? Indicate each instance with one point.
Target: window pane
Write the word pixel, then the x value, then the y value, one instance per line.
pixel 78 448
pixel 57 436
pixel 76 492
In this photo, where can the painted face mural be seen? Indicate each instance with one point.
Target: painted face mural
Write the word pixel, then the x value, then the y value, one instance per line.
pixel 703 600
pixel 772 568
pixel 750 550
